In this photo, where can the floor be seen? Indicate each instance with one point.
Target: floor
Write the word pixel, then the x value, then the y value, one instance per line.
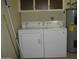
pixel 69 56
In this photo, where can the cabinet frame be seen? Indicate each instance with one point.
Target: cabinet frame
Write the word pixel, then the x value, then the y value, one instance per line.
pixel 34 9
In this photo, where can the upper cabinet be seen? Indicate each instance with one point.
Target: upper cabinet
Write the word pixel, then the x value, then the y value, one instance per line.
pixel 40 5
pixel 56 4
pixel 34 5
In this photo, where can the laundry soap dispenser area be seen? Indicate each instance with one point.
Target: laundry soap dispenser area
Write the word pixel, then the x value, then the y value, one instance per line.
pixel 43 39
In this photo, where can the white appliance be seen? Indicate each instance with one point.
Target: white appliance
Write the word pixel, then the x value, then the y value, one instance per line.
pixel 55 42
pixel 53 24
pixel 31 43
pixel 32 24
pixel 42 24
pixel 43 42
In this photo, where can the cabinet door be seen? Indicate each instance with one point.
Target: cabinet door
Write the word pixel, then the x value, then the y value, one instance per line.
pixel 55 43
pixel 56 4
pixel 32 45
pixel 26 4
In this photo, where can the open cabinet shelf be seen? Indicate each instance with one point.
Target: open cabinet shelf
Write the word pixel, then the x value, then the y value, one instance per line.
pixel 40 5
pixel 26 4
pixel 44 5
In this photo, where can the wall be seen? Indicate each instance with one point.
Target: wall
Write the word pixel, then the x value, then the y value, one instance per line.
pixel 15 14
pixel 6 44
pixel 43 16
pixel 7 49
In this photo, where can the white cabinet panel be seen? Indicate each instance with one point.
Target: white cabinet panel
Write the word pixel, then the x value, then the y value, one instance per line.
pixel 32 44
pixel 55 43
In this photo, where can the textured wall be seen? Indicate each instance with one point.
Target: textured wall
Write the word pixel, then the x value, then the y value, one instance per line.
pixel 43 16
